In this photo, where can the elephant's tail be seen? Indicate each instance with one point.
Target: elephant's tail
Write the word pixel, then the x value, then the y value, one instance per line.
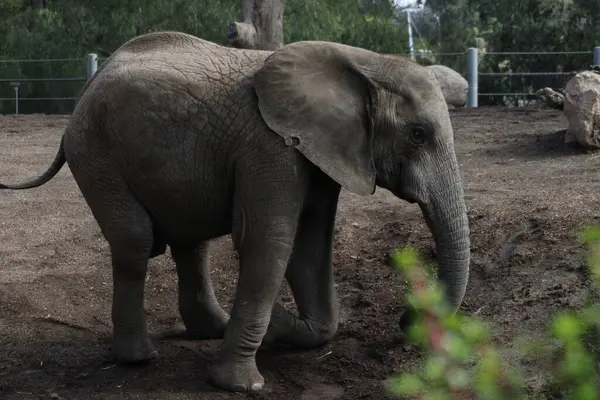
pixel 56 165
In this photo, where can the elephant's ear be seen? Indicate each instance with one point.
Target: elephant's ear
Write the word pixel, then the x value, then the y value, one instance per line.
pixel 315 96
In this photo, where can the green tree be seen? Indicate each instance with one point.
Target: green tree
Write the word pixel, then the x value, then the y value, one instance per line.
pixel 525 26
pixel 74 28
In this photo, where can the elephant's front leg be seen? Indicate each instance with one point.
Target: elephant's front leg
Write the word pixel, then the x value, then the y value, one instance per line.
pixel 203 317
pixel 265 221
pixel 310 274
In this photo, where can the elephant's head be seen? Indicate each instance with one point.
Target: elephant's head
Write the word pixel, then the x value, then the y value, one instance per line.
pixel 368 119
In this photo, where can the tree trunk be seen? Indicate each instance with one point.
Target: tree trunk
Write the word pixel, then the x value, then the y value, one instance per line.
pixel 262 26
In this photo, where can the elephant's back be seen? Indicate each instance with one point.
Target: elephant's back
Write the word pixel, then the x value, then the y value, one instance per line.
pixel 165 40
pixel 182 59
pixel 174 97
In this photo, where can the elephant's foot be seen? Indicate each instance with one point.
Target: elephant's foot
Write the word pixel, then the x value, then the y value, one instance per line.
pixel 133 348
pixel 236 375
pixel 281 326
pixel 286 328
pixel 199 326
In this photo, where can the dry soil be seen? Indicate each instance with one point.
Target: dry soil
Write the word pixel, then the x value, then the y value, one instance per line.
pixel 527 196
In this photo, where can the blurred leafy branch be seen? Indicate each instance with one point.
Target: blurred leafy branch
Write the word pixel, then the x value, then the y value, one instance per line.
pixel 462 363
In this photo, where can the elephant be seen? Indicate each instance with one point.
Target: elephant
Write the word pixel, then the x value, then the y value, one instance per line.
pixel 454 86
pixel 291 128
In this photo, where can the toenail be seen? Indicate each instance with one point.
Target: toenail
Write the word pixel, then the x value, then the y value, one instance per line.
pixel 240 388
pixel 257 386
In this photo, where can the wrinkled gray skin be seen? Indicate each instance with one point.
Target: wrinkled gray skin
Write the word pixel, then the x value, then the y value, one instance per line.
pixel 454 86
pixel 177 141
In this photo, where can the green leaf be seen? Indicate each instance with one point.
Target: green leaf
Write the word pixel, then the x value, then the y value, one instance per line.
pixel 406 385
pixel 456 347
pixel 417 332
pixel 474 330
pixel 591 235
pixel 406 259
pixel 586 391
pixel 435 367
pixel 567 326
pixel 458 378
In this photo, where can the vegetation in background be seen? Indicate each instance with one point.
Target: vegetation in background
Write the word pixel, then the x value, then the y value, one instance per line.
pixel 462 363
pixel 516 26
pixel 74 28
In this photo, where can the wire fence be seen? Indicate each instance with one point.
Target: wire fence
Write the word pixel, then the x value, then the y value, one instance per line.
pixel 495 78
pixel 513 78
pixel 48 86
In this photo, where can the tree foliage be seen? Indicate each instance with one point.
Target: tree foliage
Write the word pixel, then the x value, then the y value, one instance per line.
pixel 462 361
pixel 517 26
pixel 74 28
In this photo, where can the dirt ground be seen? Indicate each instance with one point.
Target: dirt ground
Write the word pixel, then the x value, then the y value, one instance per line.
pixel 527 196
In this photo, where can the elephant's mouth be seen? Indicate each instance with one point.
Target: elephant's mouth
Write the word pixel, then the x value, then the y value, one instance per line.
pixel 406 196
pixel 409 198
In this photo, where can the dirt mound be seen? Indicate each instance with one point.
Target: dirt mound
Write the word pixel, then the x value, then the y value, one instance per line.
pixel 527 196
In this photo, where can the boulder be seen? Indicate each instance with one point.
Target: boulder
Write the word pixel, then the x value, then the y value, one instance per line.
pixel 552 98
pixel 454 86
pixel 582 109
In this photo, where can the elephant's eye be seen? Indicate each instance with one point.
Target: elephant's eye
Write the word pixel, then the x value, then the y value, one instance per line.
pixel 418 135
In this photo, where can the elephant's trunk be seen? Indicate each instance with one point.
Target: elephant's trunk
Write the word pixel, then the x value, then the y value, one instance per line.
pixel 446 216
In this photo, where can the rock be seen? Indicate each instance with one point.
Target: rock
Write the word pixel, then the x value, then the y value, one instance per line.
pixel 551 98
pixel 582 109
pixel 454 86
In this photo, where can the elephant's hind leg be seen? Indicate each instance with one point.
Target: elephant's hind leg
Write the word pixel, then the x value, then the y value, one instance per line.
pixel 128 229
pixel 130 247
pixel 310 274
pixel 202 315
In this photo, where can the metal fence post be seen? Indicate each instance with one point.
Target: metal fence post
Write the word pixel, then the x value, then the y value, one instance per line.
pixel 596 53
pixel 472 76
pixel 92 64
pixel 15 86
